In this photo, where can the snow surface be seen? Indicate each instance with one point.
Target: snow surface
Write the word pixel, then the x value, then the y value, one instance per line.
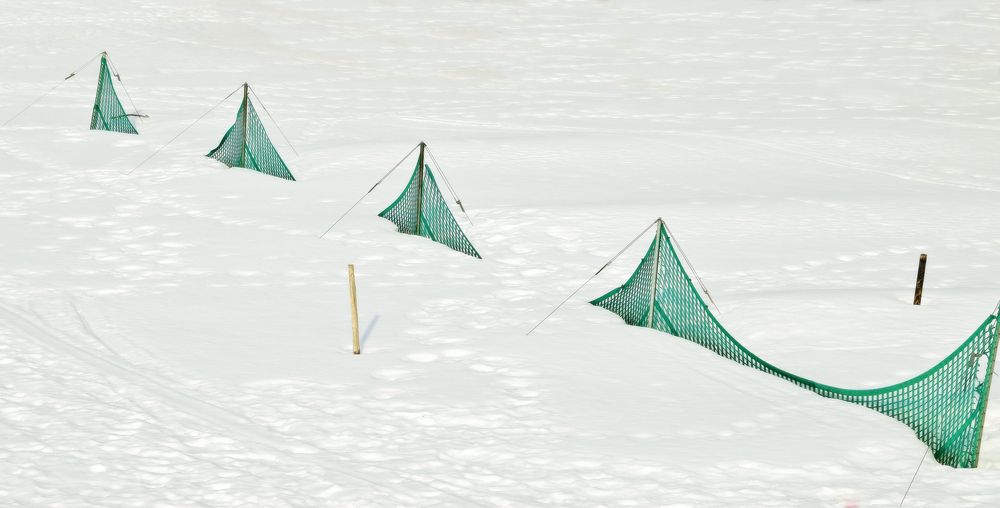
pixel 180 336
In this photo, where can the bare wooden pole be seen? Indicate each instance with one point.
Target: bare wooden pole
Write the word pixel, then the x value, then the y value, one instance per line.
pixel 354 309
pixel 919 292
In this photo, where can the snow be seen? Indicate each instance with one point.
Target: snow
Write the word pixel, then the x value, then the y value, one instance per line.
pixel 180 335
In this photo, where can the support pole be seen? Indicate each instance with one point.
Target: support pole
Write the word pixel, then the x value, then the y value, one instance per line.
pixel 420 184
pixel 354 308
pixel 656 275
pixel 919 292
pixel 988 383
pixel 246 114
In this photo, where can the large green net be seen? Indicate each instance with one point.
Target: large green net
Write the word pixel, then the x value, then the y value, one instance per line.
pixel 945 406
pixel 421 210
pixel 109 115
pixel 246 145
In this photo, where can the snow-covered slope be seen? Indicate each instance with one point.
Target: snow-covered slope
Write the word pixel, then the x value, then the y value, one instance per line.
pixel 180 335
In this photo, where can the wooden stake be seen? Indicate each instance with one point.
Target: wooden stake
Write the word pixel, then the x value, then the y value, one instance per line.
pixel 354 309
pixel 919 292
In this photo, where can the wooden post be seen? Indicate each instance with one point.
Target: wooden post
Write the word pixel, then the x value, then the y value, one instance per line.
pixel 354 309
pixel 919 293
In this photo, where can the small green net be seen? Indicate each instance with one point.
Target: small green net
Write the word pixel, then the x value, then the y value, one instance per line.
pixel 109 115
pixel 421 210
pixel 246 145
pixel 945 406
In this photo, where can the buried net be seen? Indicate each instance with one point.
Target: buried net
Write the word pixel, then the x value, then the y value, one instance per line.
pixel 421 210
pixel 109 115
pixel 246 145
pixel 945 406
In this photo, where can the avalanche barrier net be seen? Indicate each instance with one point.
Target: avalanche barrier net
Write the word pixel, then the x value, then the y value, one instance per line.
pixel 945 406
pixel 421 210
pixel 108 114
pixel 246 144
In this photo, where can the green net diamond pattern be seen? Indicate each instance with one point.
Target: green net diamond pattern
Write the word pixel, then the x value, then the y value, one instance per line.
pixel 246 145
pixel 422 210
pixel 109 115
pixel 945 406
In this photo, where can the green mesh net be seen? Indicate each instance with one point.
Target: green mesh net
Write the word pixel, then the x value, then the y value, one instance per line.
pixel 109 115
pixel 945 405
pixel 421 210
pixel 246 145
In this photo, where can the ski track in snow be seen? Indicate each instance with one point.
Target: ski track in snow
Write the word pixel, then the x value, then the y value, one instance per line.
pixel 179 335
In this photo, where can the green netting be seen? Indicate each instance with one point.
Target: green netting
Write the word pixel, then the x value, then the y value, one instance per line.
pixel 246 145
pixel 109 115
pixel 945 405
pixel 421 210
